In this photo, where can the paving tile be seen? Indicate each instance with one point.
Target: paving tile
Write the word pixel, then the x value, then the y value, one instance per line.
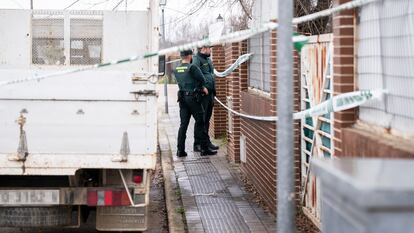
pixel 214 201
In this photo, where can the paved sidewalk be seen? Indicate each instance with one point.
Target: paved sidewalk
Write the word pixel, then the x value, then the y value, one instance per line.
pixel 213 197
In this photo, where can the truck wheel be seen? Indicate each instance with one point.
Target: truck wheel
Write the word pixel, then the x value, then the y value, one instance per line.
pixel 35 216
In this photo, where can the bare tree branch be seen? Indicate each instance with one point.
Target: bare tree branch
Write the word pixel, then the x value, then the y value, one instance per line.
pixel 246 11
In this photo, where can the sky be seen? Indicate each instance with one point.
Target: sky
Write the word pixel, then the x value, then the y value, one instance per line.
pixel 80 5
pixel 176 12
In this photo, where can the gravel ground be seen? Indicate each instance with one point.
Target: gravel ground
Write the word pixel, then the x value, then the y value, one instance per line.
pixel 158 218
pixel 303 223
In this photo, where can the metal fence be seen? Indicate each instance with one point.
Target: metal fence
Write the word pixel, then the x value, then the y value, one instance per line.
pixel 259 66
pixel 386 60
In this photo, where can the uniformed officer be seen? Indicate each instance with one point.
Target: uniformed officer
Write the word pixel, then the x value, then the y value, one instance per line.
pixel 191 84
pixel 203 61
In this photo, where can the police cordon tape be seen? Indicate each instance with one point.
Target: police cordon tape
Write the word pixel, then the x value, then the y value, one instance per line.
pixel 237 63
pixel 228 38
pixel 337 103
pixel 243 58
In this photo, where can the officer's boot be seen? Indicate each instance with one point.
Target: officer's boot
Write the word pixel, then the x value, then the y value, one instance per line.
pixel 181 154
pixel 207 151
pixel 197 148
pixel 211 146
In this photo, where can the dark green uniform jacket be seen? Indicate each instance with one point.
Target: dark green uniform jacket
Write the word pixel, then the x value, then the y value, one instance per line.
pixel 206 66
pixel 189 77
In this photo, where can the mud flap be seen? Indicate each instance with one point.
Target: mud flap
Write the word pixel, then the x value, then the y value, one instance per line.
pixel 121 218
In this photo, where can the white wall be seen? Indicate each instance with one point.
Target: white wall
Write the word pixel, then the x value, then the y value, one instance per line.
pixel 154 28
pixel 126 35
pixel 264 11
pixel 386 61
pixel 15 37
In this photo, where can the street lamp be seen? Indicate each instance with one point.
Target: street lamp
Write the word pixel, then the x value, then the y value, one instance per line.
pixel 163 3
pixel 220 18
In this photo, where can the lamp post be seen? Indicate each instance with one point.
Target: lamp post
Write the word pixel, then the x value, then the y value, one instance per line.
pixel 220 18
pixel 284 133
pixel 163 3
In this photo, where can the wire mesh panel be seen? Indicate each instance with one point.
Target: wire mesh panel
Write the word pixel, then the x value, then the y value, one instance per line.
pixel 48 40
pixel 85 41
pixel 386 60
pixel 259 66
pixel 60 39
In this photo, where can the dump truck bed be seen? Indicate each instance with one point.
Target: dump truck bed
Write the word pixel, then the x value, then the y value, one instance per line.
pixel 77 121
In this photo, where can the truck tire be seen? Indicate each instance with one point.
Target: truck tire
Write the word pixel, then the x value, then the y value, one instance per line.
pixel 35 216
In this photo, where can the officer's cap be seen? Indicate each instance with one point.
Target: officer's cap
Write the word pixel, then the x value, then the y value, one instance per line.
pixel 186 52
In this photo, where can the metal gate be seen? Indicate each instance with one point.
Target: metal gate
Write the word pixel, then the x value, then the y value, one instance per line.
pixel 317 132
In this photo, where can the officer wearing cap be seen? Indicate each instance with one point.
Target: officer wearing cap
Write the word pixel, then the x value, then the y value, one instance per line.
pixel 191 83
pixel 203 61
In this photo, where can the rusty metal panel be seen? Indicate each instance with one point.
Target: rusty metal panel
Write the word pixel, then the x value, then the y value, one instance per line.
pixel 317 132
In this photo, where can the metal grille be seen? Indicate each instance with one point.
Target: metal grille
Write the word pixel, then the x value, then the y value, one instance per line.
pixel 63 39
pixel 229 114
pixel 48 41
pixel 243 148
pixel 218 212
pixel 386 60
pixel 85 41
pixel 259 66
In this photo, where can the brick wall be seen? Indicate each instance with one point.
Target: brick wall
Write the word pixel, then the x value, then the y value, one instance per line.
pixel 260 166
pixel 218 121
pixel 343 74
pixel 364 142
pixel 261 159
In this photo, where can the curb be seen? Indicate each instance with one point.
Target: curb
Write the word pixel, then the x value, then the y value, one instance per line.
pixel 175 220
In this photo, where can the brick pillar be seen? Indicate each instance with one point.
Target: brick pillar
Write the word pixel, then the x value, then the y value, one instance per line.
pixel 273 112
pixel 296 105
pixel 243 70
pixel 297 123
pixel 232 52
pixel 343 74
pixel 218 121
